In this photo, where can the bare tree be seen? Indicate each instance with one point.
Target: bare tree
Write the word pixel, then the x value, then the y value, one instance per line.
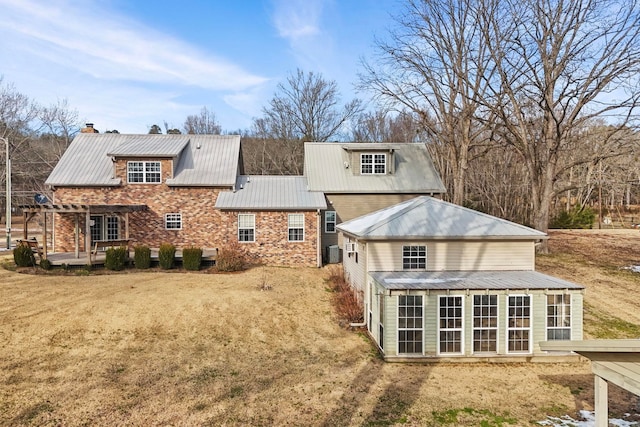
pixel 558 66
pixel 204 123
pixel 435 64
pixel 385 126
pixel 305 108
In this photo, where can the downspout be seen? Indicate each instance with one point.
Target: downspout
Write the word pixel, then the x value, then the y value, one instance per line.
pixel 318 239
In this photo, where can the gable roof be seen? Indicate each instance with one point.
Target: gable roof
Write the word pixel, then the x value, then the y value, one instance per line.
pixel 200 160
pixel 426 217
pixel 326 166
pixel 265 192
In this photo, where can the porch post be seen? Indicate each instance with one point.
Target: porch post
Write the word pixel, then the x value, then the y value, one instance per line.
pixel 77 235
pixel 87 236
pixel 25 227
pixel 44 235
pixel 601 404
pixel 126 225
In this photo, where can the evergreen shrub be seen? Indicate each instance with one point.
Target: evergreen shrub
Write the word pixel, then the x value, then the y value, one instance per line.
pixel 166 256
pixel 142 256
pixel 23 256
pixel 116 258
pixel 192 258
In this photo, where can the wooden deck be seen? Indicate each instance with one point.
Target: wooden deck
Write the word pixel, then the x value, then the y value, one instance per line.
pixel 69 258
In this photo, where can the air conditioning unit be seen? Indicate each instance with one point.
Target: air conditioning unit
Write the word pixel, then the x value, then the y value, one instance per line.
pixel 350 247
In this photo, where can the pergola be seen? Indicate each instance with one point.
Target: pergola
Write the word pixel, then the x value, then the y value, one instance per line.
pixel 612 361
pixel 79 211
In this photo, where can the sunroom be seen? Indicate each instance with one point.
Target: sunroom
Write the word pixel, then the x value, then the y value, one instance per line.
pixel 471 316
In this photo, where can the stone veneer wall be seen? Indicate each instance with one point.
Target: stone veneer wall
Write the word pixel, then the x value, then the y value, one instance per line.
pixel 202 224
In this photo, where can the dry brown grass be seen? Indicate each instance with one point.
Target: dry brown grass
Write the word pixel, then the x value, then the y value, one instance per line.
pixel 154 348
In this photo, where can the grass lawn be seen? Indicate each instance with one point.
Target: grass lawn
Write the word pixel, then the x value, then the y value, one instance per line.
pixel 158 348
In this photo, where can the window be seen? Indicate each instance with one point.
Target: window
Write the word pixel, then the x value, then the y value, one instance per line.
pixel 450 324
pixel 112 228
pixel 296 227
pixel 373 164
pixel 409 324
pixel 485 323
pixel 558 317
pixel 173 221
pixel 143 172
pixel 330 222
pixel 246 228
pixel 414 257
pixel 519 324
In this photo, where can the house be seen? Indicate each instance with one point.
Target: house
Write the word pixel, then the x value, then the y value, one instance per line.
pixel 442 281
pixel 188 190
pixel 359 178
pixel 191 190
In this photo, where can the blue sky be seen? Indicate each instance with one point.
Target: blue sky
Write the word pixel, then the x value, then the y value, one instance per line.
pixel 129 64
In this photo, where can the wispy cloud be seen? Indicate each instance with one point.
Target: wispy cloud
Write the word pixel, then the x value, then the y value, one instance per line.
pixel 107 45
pixel 297 19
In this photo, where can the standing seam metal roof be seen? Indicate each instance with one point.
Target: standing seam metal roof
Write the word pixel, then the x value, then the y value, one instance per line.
pixel 202 160
pixel 327 167
pixel 472 280
pixel 271 193
pixel 427 217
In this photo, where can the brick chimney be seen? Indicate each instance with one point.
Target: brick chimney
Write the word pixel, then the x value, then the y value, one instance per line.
pixel 88 128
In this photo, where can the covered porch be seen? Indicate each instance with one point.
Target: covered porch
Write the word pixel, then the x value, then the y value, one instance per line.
pixel 83 224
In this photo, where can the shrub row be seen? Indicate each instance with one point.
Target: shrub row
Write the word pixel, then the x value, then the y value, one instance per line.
pixel 231 258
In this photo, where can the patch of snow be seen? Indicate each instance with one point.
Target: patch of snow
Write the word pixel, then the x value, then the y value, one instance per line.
pixel 588 420
pixel 634 268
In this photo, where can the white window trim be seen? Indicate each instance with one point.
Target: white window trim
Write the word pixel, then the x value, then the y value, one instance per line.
pixel 461 329
pixel 425 258
pixel 145 172
pixel 373 163
pixel 166 220
pixel 334 222
pixel 247 228
pixel 398 328
pixel 495 328
pixel 289 228
pixel 547 327
pixel 530 328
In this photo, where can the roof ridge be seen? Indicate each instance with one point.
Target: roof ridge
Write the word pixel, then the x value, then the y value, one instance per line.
pixel 410 205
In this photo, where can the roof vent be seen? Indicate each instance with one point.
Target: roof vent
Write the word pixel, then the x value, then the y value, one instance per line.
pixel 346 165
pixel 198 145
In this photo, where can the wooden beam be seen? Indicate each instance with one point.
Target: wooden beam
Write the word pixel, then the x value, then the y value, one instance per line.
pixel 76 236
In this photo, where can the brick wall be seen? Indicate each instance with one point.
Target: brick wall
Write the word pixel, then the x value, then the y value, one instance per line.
pixel 202 224
pixel 272 244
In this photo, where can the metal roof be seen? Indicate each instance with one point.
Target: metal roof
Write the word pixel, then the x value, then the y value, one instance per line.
pixel 271 193
pixel 202 160
pixel 150 146
pixel 427 217
pixel 472 280
pixel 326 166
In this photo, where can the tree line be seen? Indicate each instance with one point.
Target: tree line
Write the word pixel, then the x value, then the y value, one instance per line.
pixel 528 107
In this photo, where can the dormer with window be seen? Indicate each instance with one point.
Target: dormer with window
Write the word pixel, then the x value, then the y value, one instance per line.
pixel 370 159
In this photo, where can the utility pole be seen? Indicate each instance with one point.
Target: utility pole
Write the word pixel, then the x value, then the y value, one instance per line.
pixel 8 193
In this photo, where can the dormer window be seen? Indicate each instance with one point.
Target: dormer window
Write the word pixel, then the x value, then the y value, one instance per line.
pixel 373 164
pixel 143 172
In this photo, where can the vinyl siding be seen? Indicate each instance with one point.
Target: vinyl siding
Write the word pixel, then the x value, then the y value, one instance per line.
pixel 349 206
pixel 462 255
pixel 355 266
